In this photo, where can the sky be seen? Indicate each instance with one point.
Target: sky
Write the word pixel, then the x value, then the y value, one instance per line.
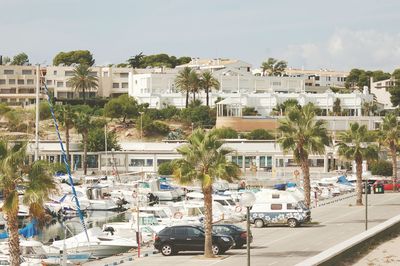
pixel 310 34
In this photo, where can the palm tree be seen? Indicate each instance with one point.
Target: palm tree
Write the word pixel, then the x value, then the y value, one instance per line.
pixel 194 83
pixel 82 123
pixel 66 116
pixel 207 82
pixel 183 81
pixel 39 185
pixel 302 134
pixel 389 136
pixel 337 108
pixel 273 67
pixel 355 145
pixel 203 159
pixel 83 80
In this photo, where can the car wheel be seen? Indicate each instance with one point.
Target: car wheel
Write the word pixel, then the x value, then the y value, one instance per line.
pixel 167 250
pixel 259 223
pixel 216 250
pixel 292 222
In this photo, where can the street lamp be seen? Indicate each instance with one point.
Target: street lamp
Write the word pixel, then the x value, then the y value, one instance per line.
pixel 141 125
pixel 247 200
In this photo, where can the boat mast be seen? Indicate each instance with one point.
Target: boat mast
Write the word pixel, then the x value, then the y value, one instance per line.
pixel 37 113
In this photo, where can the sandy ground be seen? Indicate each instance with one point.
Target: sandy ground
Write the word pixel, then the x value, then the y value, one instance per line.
pixel 385 254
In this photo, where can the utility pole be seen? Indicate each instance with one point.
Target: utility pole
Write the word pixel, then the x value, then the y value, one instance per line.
pixel 37 113
pixel 105 144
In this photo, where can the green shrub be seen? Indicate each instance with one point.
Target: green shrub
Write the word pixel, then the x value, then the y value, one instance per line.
pixel 259 134
pixel 165 168
pixel 226 133
pixel 200 116
pixel 381 167
pixel 59 168
pixel 44 110
pixel 249 111
pixel 158 128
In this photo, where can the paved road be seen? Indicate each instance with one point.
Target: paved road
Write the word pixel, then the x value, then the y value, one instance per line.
pixel 288 246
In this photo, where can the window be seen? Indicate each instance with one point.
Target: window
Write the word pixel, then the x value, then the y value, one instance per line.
pixel 21 82
pixel 316 77
pixel 124 85
pixel 105 74
pixel 49 82
pixel 55 72
pixel 221 230
pixel 249 161
pixel 276 207
pixel 60 84
pixel 265 161
pixel 238 160
pixel 115 85
pixel 193 232
pixel 275 196
pixel 2 81
pixel 276 83
pixel 11 81
pixel 29 81
pixel 141 162
pixel 26 72
pixel 180 231
pixel 123 75
pixel 69 73
pixel 8 72
pixel 68 84
pixel 290 206
pixel 92 161
pixel 94 74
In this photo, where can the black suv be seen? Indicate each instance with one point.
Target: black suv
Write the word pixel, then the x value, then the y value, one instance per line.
pixel 171 240
pixel 238 234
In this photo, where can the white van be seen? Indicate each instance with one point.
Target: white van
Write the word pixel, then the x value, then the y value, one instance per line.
pixel 278 207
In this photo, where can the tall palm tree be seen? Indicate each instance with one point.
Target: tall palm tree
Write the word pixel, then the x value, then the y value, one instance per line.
pixel 203 159
pixel 302 134
pixel 355 144
pixel 194 83
pixel 207 82
pixel 273 67
pixel 83 80
pixel 39 185
pixel 66 116
pixel 82 123
pixel 183 82
pixel 389 136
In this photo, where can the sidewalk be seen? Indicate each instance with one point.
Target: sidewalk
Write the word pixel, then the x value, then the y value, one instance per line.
pixel 385 254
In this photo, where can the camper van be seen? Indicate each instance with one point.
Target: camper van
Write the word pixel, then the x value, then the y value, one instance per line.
pixel 278 207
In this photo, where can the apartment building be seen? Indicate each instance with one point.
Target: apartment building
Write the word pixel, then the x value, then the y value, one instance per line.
pixel 319 78
pixel 18 85
pixel 381 91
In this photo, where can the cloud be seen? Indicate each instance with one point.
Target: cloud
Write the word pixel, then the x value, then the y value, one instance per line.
pixel 346 49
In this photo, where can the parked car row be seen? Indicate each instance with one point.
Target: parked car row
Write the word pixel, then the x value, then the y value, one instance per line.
pixel 174 239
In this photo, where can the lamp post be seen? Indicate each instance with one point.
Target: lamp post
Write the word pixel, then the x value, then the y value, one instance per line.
pixel 141 126
pixel 247 200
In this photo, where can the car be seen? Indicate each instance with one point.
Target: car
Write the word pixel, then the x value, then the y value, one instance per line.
pixel 238 234
pixel 387 184
pixel 173 239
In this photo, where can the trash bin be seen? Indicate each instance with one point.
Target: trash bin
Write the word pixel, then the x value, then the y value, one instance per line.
pixel 368 189
pixel 378 189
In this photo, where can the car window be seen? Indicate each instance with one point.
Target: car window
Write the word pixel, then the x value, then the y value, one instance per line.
pixel 180 231
pixel 193 232
pixel 290 206
pixel 276 206
pixel 165 232
pixel 221 230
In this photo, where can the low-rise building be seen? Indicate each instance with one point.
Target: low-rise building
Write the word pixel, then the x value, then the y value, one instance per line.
pixel 381 91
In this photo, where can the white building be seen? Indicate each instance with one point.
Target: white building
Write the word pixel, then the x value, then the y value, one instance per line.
pixel 319 78
pixel 381 91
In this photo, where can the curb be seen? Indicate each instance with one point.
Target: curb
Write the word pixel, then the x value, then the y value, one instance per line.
pixel 130 258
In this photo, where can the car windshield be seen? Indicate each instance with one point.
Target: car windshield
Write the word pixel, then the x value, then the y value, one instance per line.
pixel 301 205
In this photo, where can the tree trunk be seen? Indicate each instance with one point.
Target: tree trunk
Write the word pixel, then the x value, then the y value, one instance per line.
pixel 13 242
pixel 187 98
pixel 84 95
pixel 359 182
pixel 207 190
pixel 84 153
pixel 393 152
pixel 194 96
pixel 207 97
pixel 306 181
pixel 67 140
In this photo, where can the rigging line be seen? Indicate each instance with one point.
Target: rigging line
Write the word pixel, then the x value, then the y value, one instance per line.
pixel 64 158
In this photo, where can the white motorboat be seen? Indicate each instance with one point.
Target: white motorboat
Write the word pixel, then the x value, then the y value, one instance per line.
pixel 100 245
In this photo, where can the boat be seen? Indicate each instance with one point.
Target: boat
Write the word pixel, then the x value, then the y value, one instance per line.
pixel 100 245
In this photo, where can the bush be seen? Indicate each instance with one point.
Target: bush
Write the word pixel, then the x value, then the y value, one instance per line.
pixel 381 167
pixel 176 134
pixel 59 168
pixel 260 134
pixel 96 140
pixel 158 128
pixel 44 110
pixel 92 102
pixel 200 116
pixel 165 168
pixel 226 133
pixel 249 111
